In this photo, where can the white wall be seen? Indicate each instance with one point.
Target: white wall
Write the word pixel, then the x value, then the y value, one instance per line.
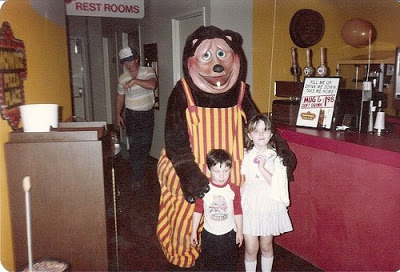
pixel 236 15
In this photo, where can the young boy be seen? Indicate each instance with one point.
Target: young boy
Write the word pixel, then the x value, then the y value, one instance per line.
pixel 222 217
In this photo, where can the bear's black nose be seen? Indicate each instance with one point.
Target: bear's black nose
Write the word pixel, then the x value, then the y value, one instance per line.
pixel 218 68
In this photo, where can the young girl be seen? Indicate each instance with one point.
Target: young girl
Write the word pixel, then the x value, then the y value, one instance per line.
pixel 268 165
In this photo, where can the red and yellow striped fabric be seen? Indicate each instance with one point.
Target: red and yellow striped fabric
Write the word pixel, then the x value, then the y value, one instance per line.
pixel 208 128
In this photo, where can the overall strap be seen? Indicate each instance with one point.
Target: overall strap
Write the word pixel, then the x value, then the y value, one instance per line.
pixel 242 92
pixel 240 99
pixel 188 94
pixel 192 108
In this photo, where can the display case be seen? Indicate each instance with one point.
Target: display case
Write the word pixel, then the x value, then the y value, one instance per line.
pixel 72 195
pixel 378 68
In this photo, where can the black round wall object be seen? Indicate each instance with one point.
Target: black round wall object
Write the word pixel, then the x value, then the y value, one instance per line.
pixel 307 28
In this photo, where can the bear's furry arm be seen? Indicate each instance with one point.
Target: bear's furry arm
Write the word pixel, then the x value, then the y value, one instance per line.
pixel 177 146
pixel 248 105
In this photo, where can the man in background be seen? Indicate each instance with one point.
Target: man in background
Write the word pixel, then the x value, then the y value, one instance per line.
pixel 135 96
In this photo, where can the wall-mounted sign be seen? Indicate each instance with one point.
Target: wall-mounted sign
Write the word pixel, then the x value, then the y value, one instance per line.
pixel 12 75
pixel 318 102
pixel 106 8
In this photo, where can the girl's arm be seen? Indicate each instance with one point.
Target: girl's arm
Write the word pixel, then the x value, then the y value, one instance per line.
pixel 266 174
pixel 195 226
pixel 239 229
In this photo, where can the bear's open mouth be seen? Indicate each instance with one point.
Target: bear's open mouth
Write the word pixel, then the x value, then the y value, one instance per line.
pixel 217 81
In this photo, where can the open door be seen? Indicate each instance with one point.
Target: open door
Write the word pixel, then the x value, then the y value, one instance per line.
pixel 80 93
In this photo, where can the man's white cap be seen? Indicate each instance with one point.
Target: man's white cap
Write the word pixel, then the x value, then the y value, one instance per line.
pixel 127 54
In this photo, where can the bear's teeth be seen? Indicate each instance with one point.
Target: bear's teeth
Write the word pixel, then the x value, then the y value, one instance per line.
pixel 218 84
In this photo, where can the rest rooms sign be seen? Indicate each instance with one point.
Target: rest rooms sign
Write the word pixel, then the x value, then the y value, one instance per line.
pixel 106 8
pixel 318 102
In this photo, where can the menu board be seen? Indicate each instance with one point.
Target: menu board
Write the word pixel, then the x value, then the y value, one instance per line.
pixel 318 102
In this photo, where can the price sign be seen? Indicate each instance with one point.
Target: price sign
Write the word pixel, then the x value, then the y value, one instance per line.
pixel 318 102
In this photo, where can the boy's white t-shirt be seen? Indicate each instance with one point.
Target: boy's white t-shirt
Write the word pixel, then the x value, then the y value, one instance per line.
pixel 220 205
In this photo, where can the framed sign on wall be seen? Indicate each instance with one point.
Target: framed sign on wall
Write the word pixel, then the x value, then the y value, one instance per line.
pixel 13 72
pixel 317 102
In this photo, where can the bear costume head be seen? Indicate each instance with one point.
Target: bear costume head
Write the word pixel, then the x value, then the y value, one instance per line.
pixel 213 59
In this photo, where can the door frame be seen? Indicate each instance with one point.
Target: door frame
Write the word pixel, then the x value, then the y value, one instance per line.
pixel 176 55
pixel 107 84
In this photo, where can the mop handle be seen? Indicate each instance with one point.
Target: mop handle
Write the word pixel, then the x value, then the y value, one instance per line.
pixel 26 184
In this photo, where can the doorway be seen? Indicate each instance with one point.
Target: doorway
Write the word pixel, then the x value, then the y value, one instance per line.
pixel 182 27
pixel 80 88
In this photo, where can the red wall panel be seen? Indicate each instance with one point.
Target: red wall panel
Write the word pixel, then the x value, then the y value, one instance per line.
pixel 345 212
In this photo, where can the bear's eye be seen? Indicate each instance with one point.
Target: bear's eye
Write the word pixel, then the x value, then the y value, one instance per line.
pixel 207 55
pixel 220 53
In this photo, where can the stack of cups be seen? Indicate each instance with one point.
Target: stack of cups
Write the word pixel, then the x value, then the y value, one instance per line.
pixel 366 90
pixel 379 122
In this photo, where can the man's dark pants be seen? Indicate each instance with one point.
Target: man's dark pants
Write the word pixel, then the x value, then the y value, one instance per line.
pixel 139 128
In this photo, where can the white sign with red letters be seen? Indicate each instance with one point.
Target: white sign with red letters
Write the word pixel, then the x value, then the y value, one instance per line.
pixel 106 8
pixel 317 103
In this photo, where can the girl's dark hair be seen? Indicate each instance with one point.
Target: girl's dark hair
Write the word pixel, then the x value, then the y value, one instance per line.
pixel 252 125
pixel 218 156
pixel 277 142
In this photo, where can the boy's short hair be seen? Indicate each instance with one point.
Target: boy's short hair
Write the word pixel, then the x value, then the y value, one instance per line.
pixel 218 156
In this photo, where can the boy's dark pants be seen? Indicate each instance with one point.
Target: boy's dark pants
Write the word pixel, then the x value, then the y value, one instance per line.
pixel 218 252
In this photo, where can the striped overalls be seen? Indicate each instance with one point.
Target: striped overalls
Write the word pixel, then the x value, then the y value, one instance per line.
pixel 208 128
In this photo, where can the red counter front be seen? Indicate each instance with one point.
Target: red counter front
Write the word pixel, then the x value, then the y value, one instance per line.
pixel 345 200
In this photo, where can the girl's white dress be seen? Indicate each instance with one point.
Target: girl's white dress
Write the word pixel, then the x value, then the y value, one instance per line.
pixel 263 213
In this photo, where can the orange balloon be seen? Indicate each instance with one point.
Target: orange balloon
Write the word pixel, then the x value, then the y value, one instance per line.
pixel 356 32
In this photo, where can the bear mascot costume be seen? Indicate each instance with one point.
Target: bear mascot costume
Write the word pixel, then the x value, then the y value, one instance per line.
pixel 206 109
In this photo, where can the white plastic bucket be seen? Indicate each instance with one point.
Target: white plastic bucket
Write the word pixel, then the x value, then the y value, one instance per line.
pixel 39 117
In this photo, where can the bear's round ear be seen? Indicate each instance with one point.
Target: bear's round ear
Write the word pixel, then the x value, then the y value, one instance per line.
pixel 233 37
